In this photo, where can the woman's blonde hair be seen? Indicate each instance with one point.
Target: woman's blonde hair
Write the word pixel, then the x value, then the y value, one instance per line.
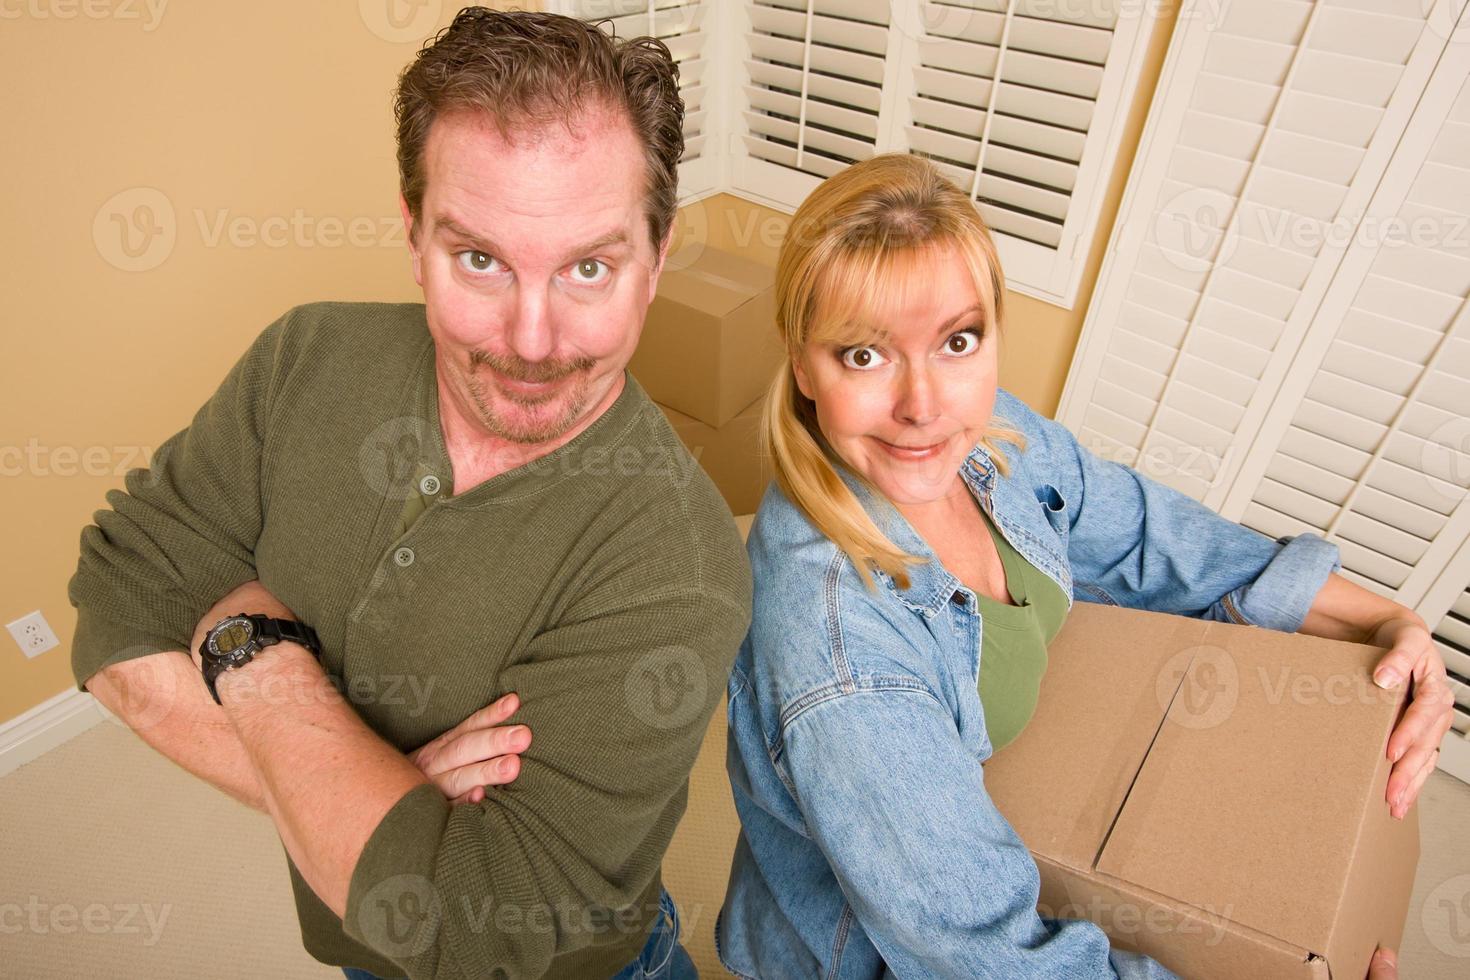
pixel 859 242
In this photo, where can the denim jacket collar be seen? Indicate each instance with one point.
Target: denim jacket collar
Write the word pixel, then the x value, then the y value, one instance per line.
pixel 930 584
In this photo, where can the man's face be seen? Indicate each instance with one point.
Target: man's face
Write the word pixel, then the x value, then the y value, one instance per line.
pixel 536 266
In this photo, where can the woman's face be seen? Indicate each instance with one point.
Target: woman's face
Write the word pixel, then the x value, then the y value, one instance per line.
pixel 906 412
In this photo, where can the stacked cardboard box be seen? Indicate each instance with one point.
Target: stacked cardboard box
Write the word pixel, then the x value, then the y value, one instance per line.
pixel 709 350
pixel 1213 795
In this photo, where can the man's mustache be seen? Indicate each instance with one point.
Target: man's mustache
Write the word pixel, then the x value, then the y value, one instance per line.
pixel 532 372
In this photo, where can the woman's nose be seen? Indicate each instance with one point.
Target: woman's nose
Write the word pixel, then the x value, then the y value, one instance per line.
pixel 917 402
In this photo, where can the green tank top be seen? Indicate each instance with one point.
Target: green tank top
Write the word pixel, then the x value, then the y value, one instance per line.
pixel 1013 641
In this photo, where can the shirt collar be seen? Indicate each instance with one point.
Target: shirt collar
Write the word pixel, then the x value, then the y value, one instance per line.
pixel 930 584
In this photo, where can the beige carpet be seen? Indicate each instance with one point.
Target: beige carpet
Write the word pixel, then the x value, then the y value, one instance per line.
pixel 112 865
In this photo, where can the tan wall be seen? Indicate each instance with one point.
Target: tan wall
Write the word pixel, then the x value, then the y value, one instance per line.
pixel 261 136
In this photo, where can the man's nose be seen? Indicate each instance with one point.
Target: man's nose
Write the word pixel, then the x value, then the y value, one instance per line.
pixel 917 402
pixel 532 336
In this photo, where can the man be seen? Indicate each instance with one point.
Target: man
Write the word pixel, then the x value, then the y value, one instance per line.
pixel 471 500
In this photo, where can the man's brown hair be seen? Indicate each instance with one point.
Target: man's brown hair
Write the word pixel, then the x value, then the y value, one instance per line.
pixel 525 70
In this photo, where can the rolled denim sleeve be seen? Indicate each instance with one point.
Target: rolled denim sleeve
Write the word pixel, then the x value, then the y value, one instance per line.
pixel 1133 541
pixel 934 873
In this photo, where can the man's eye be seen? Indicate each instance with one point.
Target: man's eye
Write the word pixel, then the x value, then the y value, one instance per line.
pixel 590 272
pixel 862 358
pixel 963 342
pixel 474 261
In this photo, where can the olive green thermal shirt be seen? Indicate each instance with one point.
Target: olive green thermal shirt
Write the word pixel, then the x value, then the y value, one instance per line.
pixel 1013 641
pixel 605 583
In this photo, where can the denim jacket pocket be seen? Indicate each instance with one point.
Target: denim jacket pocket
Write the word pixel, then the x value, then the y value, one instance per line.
pixel 1055 509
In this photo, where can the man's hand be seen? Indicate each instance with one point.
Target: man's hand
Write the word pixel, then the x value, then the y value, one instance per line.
pixel 476 753
pixel 1414 744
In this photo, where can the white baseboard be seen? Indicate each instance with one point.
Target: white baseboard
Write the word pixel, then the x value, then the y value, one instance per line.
pixel 46 726
pixel 1454 756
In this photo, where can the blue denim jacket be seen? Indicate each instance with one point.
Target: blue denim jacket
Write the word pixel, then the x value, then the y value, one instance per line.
pixel 869 847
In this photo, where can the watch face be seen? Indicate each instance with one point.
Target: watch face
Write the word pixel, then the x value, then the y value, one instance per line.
pixel 231 636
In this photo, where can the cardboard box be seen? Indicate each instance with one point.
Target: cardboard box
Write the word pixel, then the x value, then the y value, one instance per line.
pixel 709 346
pixel 1213 795
pixel 730 454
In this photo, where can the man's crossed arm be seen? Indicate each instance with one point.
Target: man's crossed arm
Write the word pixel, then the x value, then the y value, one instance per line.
pixel 164 699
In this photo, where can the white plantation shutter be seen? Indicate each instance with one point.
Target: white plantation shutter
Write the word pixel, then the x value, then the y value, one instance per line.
pixel 1017 101
pixel 1368 442
pixel 1447 611
pixel 1270 133
pixel 689 29
pixel 814 90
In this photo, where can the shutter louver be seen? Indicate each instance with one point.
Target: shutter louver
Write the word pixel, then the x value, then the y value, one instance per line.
pixel 1003 98
pixel 1452 637
pixel 815 82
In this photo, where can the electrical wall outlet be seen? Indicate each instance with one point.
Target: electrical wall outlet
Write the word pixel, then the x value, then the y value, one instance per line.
pixel 33 634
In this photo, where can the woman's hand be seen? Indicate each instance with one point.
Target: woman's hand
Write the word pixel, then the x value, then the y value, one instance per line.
pixel 1384 965
pixel 1414 744
pixel 480 751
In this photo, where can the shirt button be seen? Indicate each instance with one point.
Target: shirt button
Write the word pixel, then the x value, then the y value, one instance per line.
pixel 958 598
pixel 404 557
pixel 429 485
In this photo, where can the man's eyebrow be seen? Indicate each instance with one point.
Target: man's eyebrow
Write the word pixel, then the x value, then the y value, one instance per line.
pixel 617 236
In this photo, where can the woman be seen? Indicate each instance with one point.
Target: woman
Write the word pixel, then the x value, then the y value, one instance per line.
pixel 923 542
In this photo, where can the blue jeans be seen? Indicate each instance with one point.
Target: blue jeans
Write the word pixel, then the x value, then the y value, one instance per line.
pixel 663 957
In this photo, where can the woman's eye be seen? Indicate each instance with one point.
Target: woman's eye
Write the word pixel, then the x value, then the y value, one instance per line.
pixel 474 261
pixel 590 272
pixel 963 342
pixel 861 358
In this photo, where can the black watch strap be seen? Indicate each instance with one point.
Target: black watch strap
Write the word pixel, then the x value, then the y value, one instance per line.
pixel 269 631
pixel 212 670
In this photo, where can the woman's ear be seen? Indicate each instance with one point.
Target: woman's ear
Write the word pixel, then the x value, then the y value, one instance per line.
pixel 803 383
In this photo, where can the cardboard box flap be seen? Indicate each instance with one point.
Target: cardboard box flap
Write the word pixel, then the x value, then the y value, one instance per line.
pixel 1380 882
pixel 1191 942
pixel 1062 781
pixel 1253 796
pixel 716 282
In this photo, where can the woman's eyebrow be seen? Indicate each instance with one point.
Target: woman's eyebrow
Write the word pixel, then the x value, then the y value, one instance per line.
pixel 947 324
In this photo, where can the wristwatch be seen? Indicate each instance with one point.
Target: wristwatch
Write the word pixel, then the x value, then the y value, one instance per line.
pixel 235 640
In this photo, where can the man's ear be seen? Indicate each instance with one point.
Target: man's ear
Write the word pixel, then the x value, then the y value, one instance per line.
pixel 658 267
pixel 413 248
